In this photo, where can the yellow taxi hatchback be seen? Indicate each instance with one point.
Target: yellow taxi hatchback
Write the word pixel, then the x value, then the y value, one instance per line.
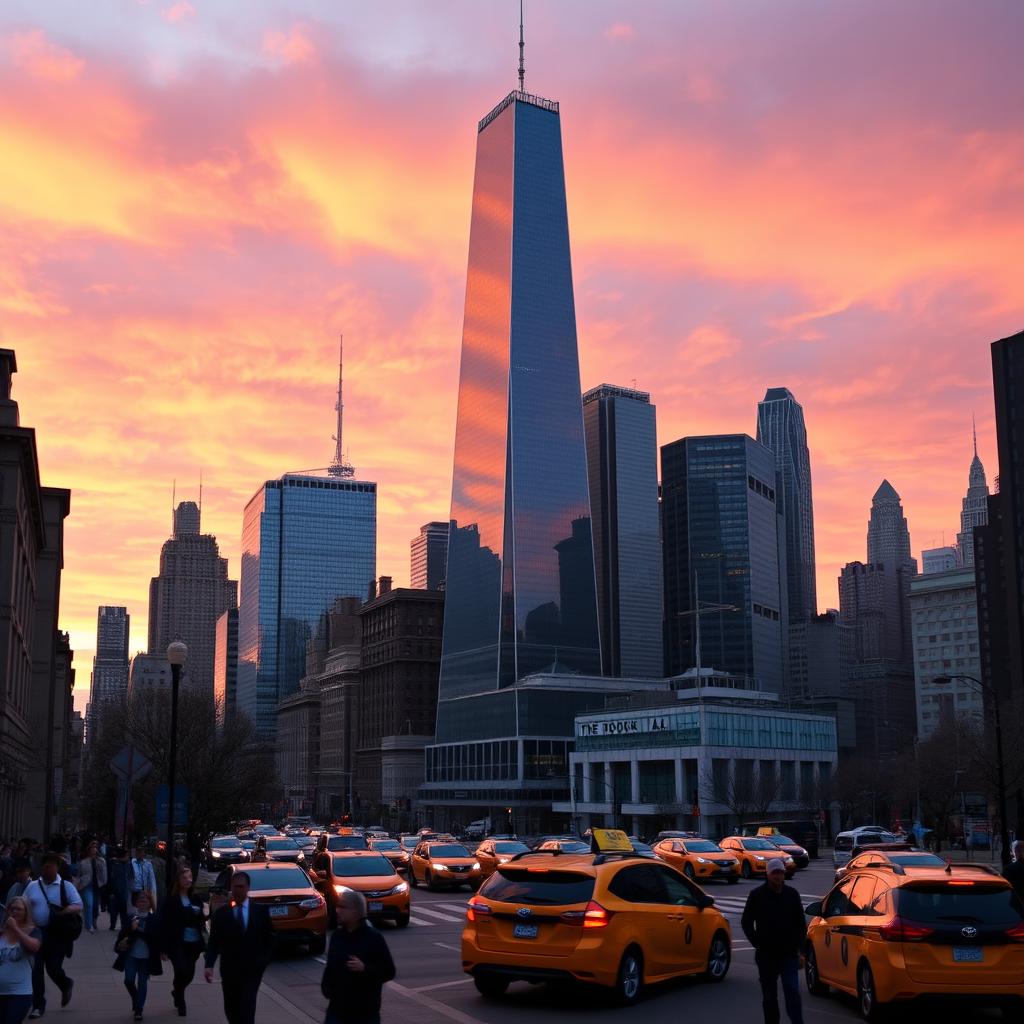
pixel 392 849
pixel 372 874
pixel 753 853
pixel 492 852
pixel 616 920
pixel 699 858
pixel 443 865
pixel 887 935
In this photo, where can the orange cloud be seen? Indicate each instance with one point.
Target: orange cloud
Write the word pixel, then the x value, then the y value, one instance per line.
pixel 292 47
pixel 34 53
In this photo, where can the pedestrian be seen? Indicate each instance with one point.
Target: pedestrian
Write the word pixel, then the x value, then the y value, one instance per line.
pixel 119 890
pixel 773 922
pixel 141 875
pixel 138 951
pixel 19 943
pixel 92 878
pixel 183 924
pixel 242 936
pixel 53 902
pixel 358 965
pixel 1015 871
pixel 22 876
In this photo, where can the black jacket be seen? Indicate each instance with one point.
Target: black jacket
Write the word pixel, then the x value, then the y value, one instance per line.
pixel 774 922
pixel 149 932
pixel 176 917
pixel 354 996
pixel 241 952
pixel 1014 874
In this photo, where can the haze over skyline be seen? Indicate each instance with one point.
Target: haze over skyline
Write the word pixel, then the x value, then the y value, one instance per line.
pixel 196 198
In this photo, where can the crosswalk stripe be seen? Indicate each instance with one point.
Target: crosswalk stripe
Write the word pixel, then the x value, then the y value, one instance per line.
pixel 447 918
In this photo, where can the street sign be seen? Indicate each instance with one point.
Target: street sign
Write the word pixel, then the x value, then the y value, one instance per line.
pixel 180 805
pixel 129 765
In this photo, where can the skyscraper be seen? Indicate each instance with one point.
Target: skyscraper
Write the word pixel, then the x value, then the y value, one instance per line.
pixel 721 532
pixel 109 683
pixel 889 545
pixel 781 428
pixel 189 595
pixel 939 560
pixel 427 556
pixel 225 666
pixel 974 511
pixel 622 465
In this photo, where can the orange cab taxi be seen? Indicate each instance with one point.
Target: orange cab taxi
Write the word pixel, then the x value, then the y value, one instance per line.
pixel 492 852
pixel 754 853
pixel 392 849
pixel 298 913
pixel 607 917
pixel 888 934
pixel 371 873
pixel 443 865
pixel 699 858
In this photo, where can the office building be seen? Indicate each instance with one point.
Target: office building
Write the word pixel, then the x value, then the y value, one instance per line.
pixel 939 559
pixel 974 510
pixel 188 596
pixel 109 681
pixel 428 554
pixel 149 674
pixel 944 620
pixel 306 540
pixel 520 594
pixel 722 532
pixel 225 666
pixel 622 466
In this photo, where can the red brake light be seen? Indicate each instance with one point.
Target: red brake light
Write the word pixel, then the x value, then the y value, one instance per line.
pixel 1016 933
pixel 595 916
pixel 898 930
pixel 959 881
pixel 474 907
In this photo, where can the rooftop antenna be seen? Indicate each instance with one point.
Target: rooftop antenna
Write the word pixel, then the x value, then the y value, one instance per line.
pixel 974 431
pixel 522 65
pixel 339 467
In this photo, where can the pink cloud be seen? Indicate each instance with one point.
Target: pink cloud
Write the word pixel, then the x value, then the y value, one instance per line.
pixel 619 30
pixel 33 52
pixel 178 12
pixel 291 47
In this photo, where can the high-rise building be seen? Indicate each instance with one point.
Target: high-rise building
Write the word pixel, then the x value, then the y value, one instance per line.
pixel 305 541
pixel 109 682
pixel 622 464
pixel 939 560
pixel 974 511
pixel 225 666
pixel 889 545
pixel 781 428
pixel 192 591
pixel 722 533
pixel 428 554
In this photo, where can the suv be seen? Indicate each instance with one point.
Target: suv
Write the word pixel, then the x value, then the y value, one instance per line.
pixel 886 934
pixel 614 919
pixel 876 855
pixel 842 849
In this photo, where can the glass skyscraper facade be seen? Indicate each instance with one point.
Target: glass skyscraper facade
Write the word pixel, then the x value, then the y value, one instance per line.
pixel 306 540
pixel 721 533
pixel 622 463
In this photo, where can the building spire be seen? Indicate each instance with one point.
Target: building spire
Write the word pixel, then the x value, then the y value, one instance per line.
pixel 339 467
pixel 974 431
pixel 522 45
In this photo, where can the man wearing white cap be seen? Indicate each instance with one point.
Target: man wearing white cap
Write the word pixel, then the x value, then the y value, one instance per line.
pixel 773 922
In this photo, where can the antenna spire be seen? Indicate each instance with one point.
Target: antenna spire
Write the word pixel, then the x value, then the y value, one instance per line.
pixel 974 431
pixel 522 64
pixel 339 467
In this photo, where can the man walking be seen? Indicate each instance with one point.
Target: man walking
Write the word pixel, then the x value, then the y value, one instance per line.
pixel 358 965
pixel 1015 872
pixel 141 876
pixel 773 922
pixel 242 936
pixel 51 898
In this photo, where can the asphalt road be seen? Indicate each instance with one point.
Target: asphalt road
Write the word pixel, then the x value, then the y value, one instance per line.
pixel 430 986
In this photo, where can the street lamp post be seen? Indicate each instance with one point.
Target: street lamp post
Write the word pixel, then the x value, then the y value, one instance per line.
pixel 1004 830
pixel 177 652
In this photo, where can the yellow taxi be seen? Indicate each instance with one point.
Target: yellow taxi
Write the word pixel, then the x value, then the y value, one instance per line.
pixel 888 935
pixel 445 865
pixel 372 874
pixel 392 849
pixel 298 913
pixel 754 852
pixel 699 858
pixel 607 917
pixel 492 852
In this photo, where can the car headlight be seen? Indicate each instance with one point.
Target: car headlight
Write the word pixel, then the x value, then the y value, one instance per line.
pixel 758 856
pixel 476 866
pixel 401 887
pixel 701 860
pixel 214 853
pixel 301 856
pixel 339 889
pixel 438 867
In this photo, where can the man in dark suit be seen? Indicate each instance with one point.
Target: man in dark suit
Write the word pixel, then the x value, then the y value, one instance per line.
pixel 242 936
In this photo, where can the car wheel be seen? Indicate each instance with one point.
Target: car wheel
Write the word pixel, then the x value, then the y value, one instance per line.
pixel 867 997
pixel 428 880
pixel 413 880
pixel 688 871
pixel 733 879
pixel 403 920
pixel 317 946
pixel 630 979
pixel 719 958
pixel 814 983
pixel 746 870
pixel 489 986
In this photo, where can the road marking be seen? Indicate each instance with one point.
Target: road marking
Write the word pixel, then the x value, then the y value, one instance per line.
pixel 447 918
pixel 441 984
pixel 289 1007
pixel 432 1004
pixel 444 945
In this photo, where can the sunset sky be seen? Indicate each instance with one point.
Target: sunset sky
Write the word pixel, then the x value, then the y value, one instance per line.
pixel 197 196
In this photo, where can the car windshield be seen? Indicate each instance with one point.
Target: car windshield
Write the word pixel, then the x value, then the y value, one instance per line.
pixel 977 904
pixel 449 850
pixel 844 843
pixel 510 847
pixel 336 843
pixel 410 842
pixel 783 841
pixel 703 846
pixel 247 844
pixel 285 878
pixel 758 844
pixel 224 844
pixel 281 844
pixel 355 866
pixel 548 888
pixel 917 860
pixel 385 844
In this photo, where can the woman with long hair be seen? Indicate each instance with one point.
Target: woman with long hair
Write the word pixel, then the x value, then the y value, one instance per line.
pixel 183 931
pixel 19 942
pixel 92 878
pixel 138 951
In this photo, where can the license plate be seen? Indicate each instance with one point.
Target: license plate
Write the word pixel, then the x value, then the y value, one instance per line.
pixel 278 911
pixel 968 955
pixel 376 906
pixel 525 931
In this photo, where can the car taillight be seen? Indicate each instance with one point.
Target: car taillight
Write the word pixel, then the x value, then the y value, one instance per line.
pixel 474 907
pixel 1016 933
pixel 898 930
pixel 595 916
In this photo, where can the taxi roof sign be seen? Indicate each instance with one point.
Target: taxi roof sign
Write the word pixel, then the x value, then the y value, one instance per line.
pixel 609 840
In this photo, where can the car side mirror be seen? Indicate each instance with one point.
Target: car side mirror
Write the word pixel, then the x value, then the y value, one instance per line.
pixel 813 909
pixel 704 901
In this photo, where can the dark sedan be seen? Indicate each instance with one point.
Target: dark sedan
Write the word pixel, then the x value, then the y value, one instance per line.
pixel 221 850
pixel 800 856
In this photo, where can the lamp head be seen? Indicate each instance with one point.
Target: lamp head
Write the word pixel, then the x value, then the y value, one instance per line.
pixel 177 653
